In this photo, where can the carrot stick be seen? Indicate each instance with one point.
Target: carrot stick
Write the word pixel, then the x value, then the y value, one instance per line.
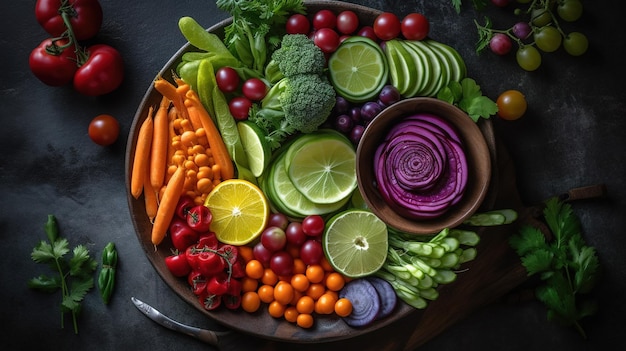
pixel 158 155
pixel 142 155
pixel 167 206
pixel 167 89
pixel 216 143
pixel 150 198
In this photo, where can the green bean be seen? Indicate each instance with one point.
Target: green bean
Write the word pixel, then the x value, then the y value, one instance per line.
pixel 106 278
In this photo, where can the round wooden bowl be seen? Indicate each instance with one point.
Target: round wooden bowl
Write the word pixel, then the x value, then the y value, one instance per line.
pixel 476 151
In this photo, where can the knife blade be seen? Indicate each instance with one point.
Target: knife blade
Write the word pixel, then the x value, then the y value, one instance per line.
pixel 208 336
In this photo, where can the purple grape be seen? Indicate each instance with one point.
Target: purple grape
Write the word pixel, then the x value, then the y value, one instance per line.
pixel 343 123
pixel 356 133
pixel 389 95
pixel 500 44
pixel 355 114
pixel 369 110
pixel 521 30
pixel 341 106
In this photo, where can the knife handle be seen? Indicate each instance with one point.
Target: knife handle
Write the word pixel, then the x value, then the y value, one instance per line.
pixel 205 335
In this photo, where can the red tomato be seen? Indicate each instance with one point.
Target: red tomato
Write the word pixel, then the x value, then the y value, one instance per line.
pixel 415 26
pixel 178 265
pixel 85 17
pixel 368 32
pixel 104 130
pixel 298 24
pixel 347 22
pixel 387 26
pixel 240 107
pixel 326 39
pixel 324 19
pixel 511 105
pixel 102 73
pixel 51 64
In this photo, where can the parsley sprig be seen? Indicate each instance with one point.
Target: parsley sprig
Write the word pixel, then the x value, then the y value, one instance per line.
pixel 467 95
pixel 75 276
pixel 566 265
pixel 478 4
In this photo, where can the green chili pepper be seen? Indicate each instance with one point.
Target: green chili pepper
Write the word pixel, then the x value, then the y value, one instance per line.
pixel 106 279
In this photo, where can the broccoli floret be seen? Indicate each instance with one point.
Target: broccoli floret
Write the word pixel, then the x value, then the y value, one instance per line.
pixel 300 103
pixel 296 55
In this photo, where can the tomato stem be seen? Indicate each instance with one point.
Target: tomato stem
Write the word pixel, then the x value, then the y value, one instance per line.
pixel 67 11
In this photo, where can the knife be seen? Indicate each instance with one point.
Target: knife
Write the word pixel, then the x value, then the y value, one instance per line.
pixel 208 336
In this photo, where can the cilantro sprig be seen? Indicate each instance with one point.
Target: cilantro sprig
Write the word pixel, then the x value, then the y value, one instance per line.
pixel 75 276
pixel 566 265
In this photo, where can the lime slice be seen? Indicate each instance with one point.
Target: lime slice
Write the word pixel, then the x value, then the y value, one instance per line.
pixel 293 200
pixel 323 169
pixel 255 146
pixel 355 243
pixel 240 211
pixel 358 69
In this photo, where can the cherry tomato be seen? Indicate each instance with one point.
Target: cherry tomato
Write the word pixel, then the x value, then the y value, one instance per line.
pixel 85 17
pixel 368 32
pixel 324 19
pixel 240 107
pixel 178 265
pixel 218 284
pixel 347 22
pixel 185 203
pixel 313 225
pixel 104 129
pixel 52 64
pixel 199 218
pixel 227 79
pixel 254 89
pixel 326 39
pixel 415 26
pixel 511 105
pixel 181 234
pixel 298 24
pixel 102 73
pixel 387 26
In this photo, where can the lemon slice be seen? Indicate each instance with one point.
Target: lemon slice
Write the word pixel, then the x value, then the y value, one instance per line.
pixel 355 243
pixel 240 211
pixel 358 69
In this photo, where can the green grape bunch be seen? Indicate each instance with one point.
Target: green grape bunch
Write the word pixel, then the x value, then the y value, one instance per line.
pixel 538 31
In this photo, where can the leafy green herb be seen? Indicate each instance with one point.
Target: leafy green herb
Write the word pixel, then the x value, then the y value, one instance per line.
pixel 478 4
pixel 566 264
pixel 75 276
pixel 257 28
pixel 469 98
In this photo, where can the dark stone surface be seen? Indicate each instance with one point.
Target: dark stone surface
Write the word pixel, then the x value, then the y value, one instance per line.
pixel 572 135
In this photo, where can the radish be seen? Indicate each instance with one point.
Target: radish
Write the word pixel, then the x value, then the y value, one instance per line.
pixel 366 304
pixel 386 294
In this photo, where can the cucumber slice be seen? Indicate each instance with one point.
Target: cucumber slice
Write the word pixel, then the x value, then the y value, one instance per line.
pixel 435 65
pixel 446 67
pixel 423 69
pixel 457 64
pixel 402 68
